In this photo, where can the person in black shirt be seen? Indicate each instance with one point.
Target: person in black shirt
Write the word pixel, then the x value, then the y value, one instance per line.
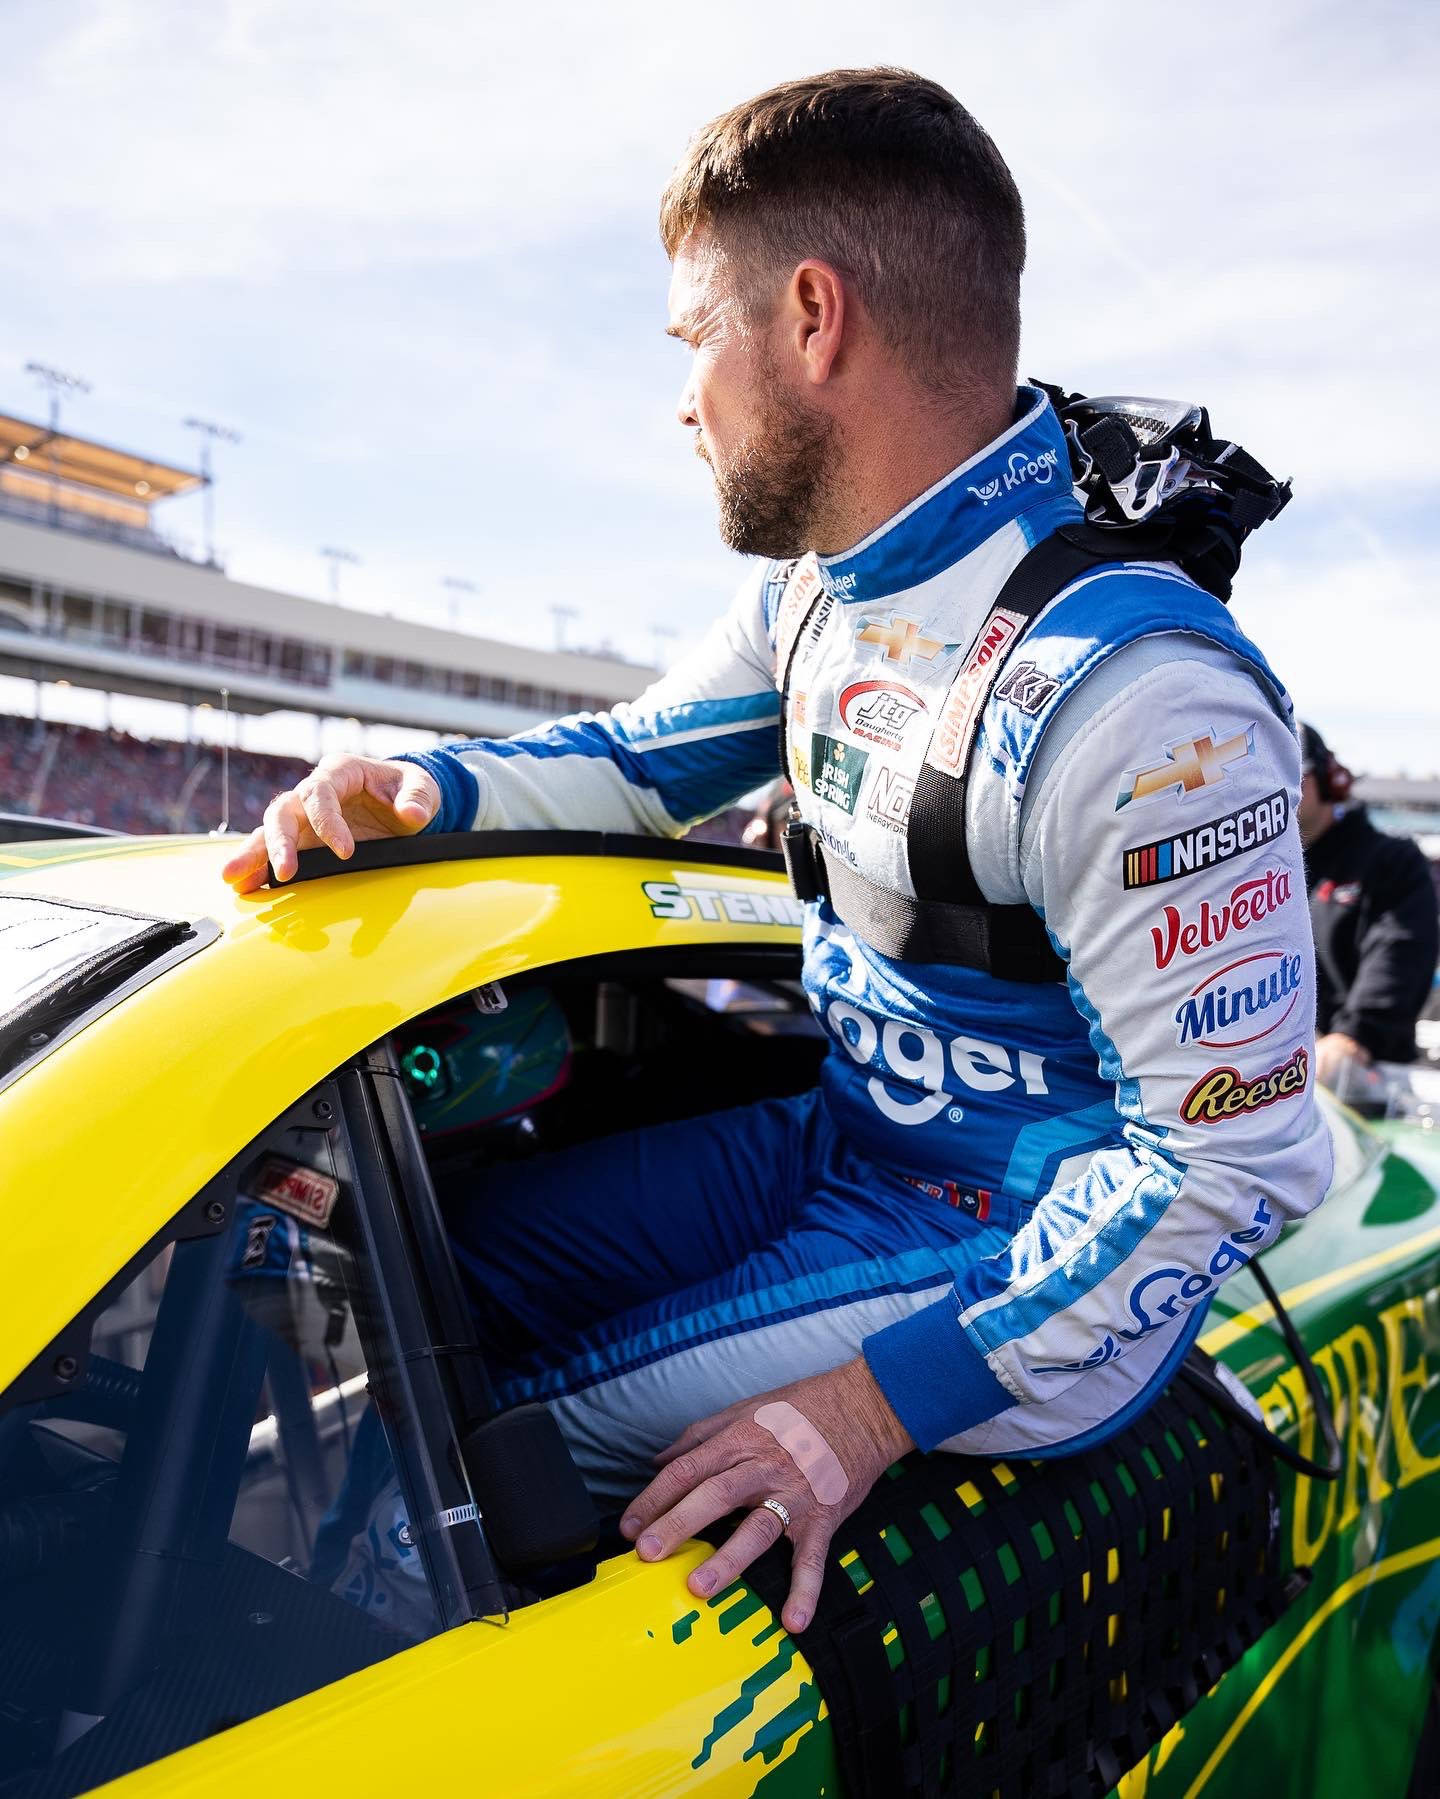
pixel 1373 911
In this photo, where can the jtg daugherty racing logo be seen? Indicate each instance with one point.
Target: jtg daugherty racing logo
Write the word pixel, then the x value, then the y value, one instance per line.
pixel 1249 903
pixel 879 711
pixel 1225 1093
pixel 1039 470
pixel 1162 1295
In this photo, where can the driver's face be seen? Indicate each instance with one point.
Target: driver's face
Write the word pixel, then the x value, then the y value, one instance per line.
pixel 771 454
pixel 721 400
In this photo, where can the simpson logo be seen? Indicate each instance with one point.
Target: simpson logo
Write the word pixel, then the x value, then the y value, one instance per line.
pixel 952 734
pixel 879 711
pixel 1026 688
pixel 838 769
pixel 800 591
pixel 304 1193
pixel 1242 1002
pixel 1225 1093
pixel 1190 765
pixel 721 905
pixel 890 799
pixel 901 638
pixel 1205 846
pixel 1249 903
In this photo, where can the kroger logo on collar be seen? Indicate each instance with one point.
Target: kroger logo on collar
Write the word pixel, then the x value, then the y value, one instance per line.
pixel 1038 469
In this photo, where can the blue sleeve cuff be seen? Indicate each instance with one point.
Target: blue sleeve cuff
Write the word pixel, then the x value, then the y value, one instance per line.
pixel 935 1379
pixel 459 790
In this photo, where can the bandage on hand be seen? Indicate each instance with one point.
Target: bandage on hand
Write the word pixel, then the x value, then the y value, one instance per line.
pixel 805 1446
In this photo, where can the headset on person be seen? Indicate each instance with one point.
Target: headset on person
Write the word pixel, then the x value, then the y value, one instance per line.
pixel 1333 780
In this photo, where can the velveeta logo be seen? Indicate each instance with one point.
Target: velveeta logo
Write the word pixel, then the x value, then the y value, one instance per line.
pixel 967 691
pixel 1225 1093
pixel 1249 903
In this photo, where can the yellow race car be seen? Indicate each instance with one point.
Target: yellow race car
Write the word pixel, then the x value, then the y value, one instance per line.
pixel 261 1528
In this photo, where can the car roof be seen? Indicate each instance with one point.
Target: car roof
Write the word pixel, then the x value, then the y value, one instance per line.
pixel 108 1134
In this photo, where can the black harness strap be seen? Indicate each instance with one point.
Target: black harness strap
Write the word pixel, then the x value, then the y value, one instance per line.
pixel 1007 941
pixel 949 920
pixel 940 868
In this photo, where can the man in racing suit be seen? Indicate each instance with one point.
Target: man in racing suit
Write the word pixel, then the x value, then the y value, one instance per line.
pixel 997 1223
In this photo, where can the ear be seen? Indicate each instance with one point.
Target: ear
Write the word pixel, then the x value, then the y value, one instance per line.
pixel 819 309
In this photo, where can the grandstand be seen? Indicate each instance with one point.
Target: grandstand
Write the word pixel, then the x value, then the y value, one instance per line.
pixel 93 594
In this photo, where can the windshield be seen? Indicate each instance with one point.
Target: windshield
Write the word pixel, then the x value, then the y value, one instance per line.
pixel 60 962
pixel 200 1511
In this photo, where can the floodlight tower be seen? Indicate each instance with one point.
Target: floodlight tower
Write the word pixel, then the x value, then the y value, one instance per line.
pixel 335 558
pixel 210 433
pixel 662 634
pixel 457 585
pixel 56 382
pixel 562 615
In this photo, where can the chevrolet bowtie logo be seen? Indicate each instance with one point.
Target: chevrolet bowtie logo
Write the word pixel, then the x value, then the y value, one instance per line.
pixel 902 638
pixel 1194 763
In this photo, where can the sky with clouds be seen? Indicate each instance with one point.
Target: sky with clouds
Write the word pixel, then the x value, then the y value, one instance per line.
pixel 410 253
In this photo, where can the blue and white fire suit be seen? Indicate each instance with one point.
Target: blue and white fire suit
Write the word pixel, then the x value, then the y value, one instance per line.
pixel 1015 1200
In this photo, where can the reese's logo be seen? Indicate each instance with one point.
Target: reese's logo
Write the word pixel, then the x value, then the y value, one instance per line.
pixel 1225 1093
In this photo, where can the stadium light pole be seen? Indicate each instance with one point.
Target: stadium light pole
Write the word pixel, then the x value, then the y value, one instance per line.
pixel 56 382
pixel 210 433
pixel 662 635
pixel 457 585
pixel 561 614
pixel 335 558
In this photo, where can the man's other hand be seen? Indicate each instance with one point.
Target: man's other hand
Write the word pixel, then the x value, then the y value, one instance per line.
pixel 729 1461
pixel 345 801
pixel 1341 1064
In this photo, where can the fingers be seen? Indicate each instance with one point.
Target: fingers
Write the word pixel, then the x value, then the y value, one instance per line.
pixel 807 1575
pixel 714 1498
pixel 754 1534
pixel 283 825
pixel 245 870
pixel 322 808
pixel 673 1482
pixel 417 798
pixel 702 1430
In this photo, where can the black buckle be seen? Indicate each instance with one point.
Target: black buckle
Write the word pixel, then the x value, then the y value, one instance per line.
pixel 802 859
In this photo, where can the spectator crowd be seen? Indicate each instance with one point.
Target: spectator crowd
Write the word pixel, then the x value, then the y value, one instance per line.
pixel 127 783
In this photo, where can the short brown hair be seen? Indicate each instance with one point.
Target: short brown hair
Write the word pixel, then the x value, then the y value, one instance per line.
pixel 885 175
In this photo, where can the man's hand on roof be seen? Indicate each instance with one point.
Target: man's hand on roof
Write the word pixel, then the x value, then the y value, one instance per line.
pixel 345 801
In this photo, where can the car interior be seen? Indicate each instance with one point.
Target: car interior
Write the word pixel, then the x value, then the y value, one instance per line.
pixel 207 1481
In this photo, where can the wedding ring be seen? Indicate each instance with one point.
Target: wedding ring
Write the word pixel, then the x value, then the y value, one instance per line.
pixel 774 1505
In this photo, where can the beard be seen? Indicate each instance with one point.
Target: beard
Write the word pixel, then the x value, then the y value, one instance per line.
pixel 772 494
